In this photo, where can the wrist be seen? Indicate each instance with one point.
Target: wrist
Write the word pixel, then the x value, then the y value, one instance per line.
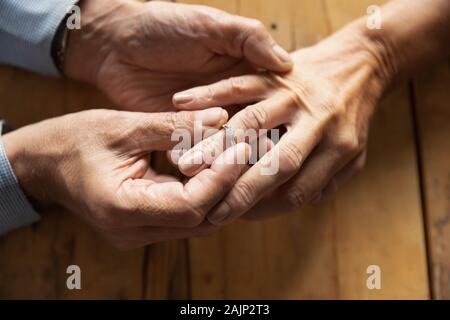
pixel 33 153
pixel 349 57
pixel 382 50
pixel 89 46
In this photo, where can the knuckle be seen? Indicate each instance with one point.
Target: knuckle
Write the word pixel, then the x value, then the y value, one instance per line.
pixel 183 120
pixel 257 116
pixel 210 93
pixel 256 25
pixel 170 122
pixel 236 85
pixel 291 156
pixel 171 119
pixel 348 144
pixel 209 16
pixel 244 194
pixel 296 197
pixel 252 117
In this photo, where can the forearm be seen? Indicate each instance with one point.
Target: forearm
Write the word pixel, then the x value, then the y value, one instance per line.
pixel 413 35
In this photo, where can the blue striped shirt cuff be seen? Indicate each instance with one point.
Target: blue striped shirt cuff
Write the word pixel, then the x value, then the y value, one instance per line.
pixel 15 210
pixel 27 28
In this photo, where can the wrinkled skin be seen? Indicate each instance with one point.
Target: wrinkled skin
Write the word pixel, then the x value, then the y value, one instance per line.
pixel 140 54
pixel 96 164
pixel 325 103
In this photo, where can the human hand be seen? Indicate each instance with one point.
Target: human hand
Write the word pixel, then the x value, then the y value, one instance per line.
pixel 139 54
pixel 325 104
pixel 96 164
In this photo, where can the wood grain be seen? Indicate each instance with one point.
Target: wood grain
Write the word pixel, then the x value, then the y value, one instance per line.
pixel 324 253
pixel 432 97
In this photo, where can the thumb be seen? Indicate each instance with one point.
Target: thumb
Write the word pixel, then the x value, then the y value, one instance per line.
pixel 250 39
pixel 162 131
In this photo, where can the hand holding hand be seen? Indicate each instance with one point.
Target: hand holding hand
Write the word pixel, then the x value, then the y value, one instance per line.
pixel 325 104
pixel 96 164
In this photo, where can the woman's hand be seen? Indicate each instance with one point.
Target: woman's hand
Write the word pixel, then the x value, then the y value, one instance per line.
pixel 96 164
pixel 140 54
pixel 325 104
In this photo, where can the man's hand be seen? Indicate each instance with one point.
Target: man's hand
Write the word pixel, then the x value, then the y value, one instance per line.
pixel 96 164
pixel 139 54
pixel 325 103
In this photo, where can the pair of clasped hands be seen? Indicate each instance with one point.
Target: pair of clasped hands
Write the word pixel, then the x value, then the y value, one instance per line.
pixel 168 66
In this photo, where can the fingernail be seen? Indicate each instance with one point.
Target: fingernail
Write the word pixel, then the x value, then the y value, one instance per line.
pixel 282 54
pixel 220 214
pixel 212 117
pixel 190 161
pixel 183 97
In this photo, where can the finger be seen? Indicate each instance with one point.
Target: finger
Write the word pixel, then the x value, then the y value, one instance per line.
pixel 247 125
pixel 234 90
pixel 249 38
pixel 174 155
pixel 173 205
pixel 275 203
pixel 162 131
pixel 321 166
pixel 275 168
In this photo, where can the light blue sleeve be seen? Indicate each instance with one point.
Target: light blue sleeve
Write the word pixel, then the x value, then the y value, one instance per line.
pixel 27 28
pixel 15 210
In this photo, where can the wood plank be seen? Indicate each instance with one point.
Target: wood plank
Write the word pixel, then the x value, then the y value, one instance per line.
pixel 324 253
pixel 166 264
pixel 432 98
pixel 393 235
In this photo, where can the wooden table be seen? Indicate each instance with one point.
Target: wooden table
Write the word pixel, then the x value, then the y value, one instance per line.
pixel 395 215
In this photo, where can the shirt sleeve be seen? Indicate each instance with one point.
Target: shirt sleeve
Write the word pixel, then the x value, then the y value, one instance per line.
pixel 27 28
pixel 15 210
